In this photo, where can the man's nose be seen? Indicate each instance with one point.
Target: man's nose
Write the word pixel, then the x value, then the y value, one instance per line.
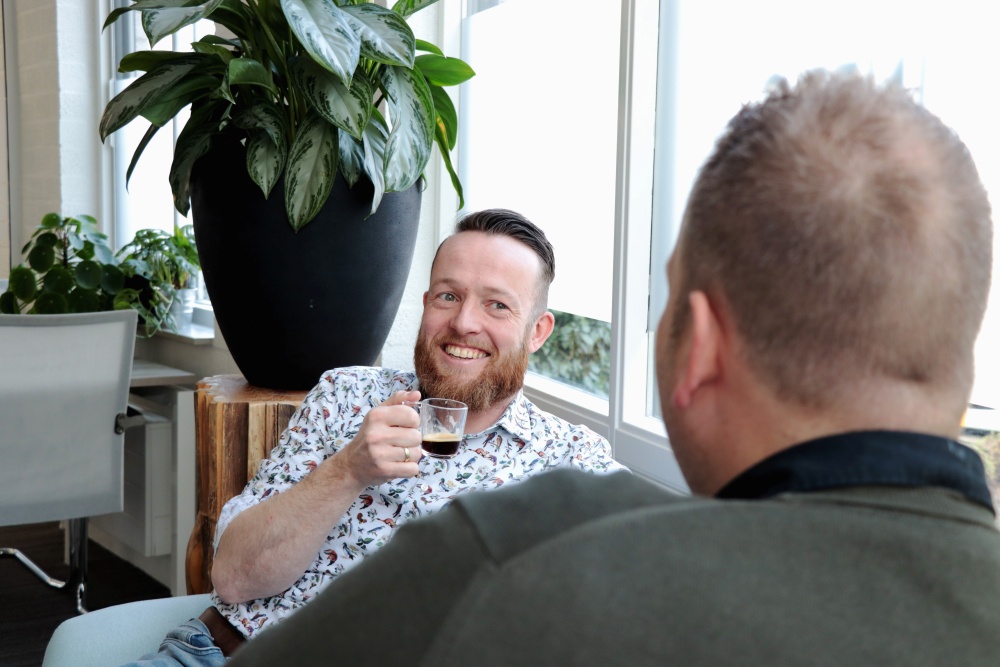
pixel 467 319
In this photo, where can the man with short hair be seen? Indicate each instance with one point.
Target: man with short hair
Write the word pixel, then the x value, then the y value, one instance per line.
pixel 348 470
pixel 814 364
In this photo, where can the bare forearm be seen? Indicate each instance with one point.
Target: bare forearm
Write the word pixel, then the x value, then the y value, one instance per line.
pixel 268 547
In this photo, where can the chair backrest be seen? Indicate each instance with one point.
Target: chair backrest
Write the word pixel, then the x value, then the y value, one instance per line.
pixel 63 381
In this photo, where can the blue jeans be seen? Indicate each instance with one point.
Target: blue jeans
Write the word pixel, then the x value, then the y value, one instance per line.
pixel 188 645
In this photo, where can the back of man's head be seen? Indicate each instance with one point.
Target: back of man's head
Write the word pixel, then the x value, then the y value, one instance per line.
pixel 847 231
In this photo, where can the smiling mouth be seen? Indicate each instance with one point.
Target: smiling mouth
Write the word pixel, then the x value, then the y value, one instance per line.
pixel 464 352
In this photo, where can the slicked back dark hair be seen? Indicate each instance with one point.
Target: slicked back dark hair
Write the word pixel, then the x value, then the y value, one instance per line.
pixel 504 222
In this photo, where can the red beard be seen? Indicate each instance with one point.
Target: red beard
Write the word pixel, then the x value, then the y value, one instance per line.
pixel 502 377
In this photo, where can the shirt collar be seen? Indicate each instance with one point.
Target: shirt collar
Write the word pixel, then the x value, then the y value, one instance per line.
pixel 516 419
pixel 865 458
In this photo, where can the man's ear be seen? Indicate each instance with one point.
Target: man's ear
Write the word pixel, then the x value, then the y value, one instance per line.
pixel 699 364
pixel 541 331
pixel 425 297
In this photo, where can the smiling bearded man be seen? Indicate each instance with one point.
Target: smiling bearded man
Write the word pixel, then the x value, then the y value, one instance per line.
pixel 348 470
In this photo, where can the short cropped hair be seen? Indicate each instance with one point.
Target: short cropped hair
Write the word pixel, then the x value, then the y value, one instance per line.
pixel 504 222
pixel 847 231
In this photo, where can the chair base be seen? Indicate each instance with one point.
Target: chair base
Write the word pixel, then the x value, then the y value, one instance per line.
pixel 77 563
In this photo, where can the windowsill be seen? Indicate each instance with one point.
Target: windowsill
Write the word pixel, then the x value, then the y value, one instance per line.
pixel 201 330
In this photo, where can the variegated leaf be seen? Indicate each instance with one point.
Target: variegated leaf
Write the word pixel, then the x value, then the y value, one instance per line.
pixel 184 93
pixel 264 115
pixel 172 15
pixel 265 160
pixel 385 36
pixel 376 135
pixel 346 107
pixel 193 142
pixel 352 158
pixel 311 168
pixel 407 7
pixel 208 48
pixel 324 31
pixel 144 92
pixel 411 111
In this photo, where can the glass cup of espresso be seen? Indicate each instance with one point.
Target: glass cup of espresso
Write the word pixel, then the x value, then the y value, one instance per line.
pixel 442 425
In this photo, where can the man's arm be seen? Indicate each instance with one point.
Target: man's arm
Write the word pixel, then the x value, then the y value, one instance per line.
pixel 268 547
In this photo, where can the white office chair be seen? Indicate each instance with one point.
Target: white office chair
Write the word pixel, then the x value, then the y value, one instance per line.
pixel 64 383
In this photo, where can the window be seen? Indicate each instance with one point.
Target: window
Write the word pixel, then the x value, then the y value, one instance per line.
pixel 147 201
pixel 565 132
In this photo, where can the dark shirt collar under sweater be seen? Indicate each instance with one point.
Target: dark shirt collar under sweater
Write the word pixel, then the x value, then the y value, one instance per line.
pixel 865 458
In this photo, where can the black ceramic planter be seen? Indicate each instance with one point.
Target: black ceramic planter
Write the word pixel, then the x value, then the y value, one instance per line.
pixel 292 305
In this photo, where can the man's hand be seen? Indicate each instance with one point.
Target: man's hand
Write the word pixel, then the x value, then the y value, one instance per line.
pixel 268 547
pixel 388 444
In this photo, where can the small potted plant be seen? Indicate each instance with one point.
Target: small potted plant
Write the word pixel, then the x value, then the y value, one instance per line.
pixel 69 268
pixel 160 275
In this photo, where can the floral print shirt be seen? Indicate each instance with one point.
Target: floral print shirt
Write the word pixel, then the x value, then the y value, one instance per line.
pixel 524 442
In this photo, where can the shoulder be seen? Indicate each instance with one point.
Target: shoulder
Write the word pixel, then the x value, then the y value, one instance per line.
pixel 365 380
pixel 544 424
pixel 510 520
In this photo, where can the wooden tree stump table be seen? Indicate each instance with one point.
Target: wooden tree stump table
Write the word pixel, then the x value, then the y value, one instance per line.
pixel 236 425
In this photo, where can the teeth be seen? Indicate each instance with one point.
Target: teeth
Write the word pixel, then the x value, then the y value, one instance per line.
pixel 464 352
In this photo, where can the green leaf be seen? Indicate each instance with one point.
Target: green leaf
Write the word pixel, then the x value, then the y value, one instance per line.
pixel 444 71
pixel 442 143
pixel 41 257
pixel 112 279
pixel 264 115
pixel 407 7
pixel 324 31
pixel 83 300
pixel 346 107
pixel 193 142
pixel 146 138
pixel 447 117
pixel 165 17
pixel 385 36
pixel 51 303
pixel 144 92
pixel 22 283
pixel 265 160
pixel 88 274
pixel 59 280
pixel 8 304
pixel 427 46
pixel 412 112
pixel 143 61
pixel 247 71
pixel 312 167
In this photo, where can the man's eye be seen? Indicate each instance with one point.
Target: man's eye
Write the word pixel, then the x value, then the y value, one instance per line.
pixel 447 296
pixel 499 306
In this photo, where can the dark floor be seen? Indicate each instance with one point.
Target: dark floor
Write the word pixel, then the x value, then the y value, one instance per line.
pixel 30 611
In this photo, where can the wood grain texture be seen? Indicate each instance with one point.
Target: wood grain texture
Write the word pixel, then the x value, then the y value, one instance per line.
pixel 236 426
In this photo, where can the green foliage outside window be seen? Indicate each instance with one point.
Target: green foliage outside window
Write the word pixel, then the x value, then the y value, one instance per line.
pixel 577 353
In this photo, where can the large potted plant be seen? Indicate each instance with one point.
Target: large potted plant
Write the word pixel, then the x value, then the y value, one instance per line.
pixel 311 123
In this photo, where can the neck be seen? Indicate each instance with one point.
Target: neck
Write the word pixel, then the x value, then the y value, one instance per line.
pixel 481 420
